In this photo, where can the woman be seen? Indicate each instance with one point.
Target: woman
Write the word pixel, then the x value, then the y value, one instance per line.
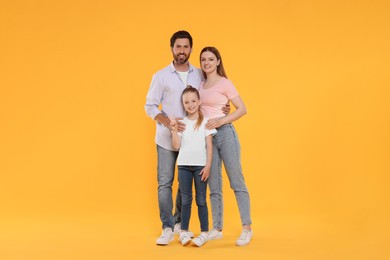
pixel 215 91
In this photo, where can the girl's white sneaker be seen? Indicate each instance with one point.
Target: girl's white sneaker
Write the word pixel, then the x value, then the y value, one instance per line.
pixel 201 239
pixel 184 238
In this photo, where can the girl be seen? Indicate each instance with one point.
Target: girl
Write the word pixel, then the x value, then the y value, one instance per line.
pixel 194 162
pixel 215 91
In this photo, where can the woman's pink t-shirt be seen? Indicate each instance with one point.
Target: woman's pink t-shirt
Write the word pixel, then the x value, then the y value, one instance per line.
pixel 216 97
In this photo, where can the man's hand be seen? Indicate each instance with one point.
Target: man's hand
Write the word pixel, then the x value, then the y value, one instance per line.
pixel 226 109
pixel 163 119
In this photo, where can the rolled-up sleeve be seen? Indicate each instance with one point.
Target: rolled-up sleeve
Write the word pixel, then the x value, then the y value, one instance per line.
pixel 154 97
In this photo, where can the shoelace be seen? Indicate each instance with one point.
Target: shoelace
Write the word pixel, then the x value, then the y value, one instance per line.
pixel 214 231
pixel 244 234
pixel 164 234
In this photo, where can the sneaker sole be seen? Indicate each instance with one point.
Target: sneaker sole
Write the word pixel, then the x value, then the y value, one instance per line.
pixel 164 243
pixel 242 244
pixel 216 237
pixel 198 245
pixel 186 243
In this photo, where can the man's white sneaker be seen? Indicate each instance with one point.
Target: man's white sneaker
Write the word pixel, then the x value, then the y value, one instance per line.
pixel 245 237
pixel 166 237
pixel 184 238
pixel 201 239
pixel 177 230
pixel 214 234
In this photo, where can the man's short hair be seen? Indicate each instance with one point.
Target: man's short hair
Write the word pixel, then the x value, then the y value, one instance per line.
pixel 181 35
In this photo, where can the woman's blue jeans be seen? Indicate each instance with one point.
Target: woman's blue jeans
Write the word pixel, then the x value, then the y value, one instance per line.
pixel 226 149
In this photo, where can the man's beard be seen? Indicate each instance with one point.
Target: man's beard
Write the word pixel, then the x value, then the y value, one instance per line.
pixel 181 58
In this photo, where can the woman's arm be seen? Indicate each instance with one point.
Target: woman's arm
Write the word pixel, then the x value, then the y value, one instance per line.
pixel 237 114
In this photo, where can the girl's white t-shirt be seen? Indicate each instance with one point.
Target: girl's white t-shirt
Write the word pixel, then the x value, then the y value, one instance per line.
pixel 193 144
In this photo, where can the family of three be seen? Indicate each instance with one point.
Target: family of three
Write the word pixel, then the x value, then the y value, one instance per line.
pixel 194 129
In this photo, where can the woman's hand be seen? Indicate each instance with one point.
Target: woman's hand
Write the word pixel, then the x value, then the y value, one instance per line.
pixel 214 123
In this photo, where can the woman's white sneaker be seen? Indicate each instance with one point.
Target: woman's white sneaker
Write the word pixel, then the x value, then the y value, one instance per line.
pixel 201 239
pixel 245 237
pixel 215 234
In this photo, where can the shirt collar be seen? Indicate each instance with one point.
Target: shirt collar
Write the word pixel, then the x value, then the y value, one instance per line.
pixel 172 68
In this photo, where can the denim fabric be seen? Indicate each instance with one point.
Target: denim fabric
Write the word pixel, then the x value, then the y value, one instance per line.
pixel 165 177
pixel 188 175
pixel 226 149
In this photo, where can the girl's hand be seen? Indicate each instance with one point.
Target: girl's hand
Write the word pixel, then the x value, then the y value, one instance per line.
pixel 176 125
pixel 172 124
pixel 205 173
pixel 180 125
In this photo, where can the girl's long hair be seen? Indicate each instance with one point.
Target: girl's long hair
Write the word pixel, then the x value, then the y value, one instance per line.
pixel 191 89
pixel 220 69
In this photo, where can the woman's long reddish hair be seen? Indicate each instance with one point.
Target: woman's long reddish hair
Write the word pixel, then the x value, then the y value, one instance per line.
pixel 220 69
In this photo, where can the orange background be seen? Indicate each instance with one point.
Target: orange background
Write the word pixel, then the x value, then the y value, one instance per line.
pixel 77 153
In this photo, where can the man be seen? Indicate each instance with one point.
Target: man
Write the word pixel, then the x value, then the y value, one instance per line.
pixel 165 90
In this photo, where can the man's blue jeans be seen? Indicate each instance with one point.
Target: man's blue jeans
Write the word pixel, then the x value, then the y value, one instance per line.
pixel 165 177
